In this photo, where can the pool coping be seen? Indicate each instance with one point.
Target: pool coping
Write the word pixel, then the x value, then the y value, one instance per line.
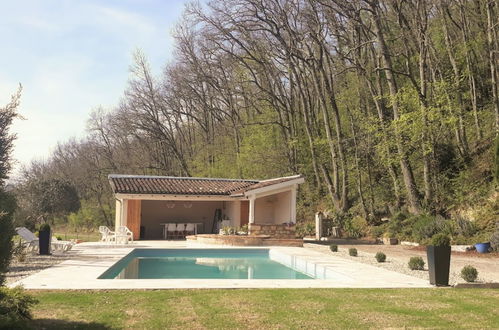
pixel 92 260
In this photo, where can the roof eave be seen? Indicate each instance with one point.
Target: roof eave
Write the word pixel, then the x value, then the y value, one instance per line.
pixel 277 186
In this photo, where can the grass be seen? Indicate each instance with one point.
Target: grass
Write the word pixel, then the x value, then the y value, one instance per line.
pixel 268 308
pixel 84 236
pixel 68 234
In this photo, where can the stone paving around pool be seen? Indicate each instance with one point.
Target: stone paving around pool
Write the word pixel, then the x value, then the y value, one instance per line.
pixel 92 259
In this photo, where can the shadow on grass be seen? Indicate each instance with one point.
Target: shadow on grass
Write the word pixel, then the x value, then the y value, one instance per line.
pixel 64 324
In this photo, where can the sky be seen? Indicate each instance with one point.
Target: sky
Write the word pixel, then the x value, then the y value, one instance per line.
pixel 72 56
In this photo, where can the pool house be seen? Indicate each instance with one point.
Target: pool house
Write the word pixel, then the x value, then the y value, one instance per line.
pixel 147 205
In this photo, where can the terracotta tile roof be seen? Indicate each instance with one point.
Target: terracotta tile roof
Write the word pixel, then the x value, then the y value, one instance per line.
pixel 168 185
pixel 265 183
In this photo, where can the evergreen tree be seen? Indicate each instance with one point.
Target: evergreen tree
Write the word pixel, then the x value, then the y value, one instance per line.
pixel 7 200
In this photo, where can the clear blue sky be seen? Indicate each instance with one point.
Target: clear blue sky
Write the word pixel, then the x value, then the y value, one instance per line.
pixel 72 56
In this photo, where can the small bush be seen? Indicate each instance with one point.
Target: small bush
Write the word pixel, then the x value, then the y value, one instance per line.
pixel 305 229
pixel 352 252
pixel 44 227
pixel 416 263
pixel 469 273
pixel 425 226
pixel 440 240
pixel 378 231
pixel 15 306
pixel 496 161
pixel 463 227
pixel 494 241
pixel 333 247
pixel 19 252
pixel 380 257
pixel 59 238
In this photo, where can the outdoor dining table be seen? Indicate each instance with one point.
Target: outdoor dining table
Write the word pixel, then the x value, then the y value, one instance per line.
pixel 165 224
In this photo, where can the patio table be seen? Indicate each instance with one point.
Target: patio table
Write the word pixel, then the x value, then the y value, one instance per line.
pixel 165 224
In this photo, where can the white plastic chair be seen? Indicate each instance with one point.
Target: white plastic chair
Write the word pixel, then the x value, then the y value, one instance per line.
pixel 64 246
pixel 171 230
pixel 190 229
pixel 123 234
pixel 181 230
pixel 107 234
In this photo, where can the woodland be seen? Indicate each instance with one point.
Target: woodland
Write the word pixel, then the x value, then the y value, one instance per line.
pixel 389 108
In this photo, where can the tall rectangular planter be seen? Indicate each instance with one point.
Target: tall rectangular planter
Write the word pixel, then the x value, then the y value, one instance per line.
pixel 438 264
pixel 44 242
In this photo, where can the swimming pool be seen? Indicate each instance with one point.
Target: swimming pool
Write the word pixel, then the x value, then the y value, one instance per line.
pixel 200 264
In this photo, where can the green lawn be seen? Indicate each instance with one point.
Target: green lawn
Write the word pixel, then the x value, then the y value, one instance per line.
pixel 269 308
pixel 84 236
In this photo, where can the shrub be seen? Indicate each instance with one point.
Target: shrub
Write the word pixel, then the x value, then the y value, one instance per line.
pixel 19 252
pixel 380 257
pixel 44 227
pixel 228 230
pixel 378 231
pixel 494 240
pixel 464 227
pixel 15 306
pixel 352 252
pixel 496 161
pixel 333 247
pixel 425 226
pixel 440 240
pixel 416 263
pixel 7 207
pixel 358 227
pixel 469 273
pixel 305 229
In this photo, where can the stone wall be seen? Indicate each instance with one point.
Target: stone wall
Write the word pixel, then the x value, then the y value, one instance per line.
pixel 244 240
pixel 273 230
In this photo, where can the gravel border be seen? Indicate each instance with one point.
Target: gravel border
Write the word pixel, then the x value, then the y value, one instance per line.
pixel 393 264
pixel 33 264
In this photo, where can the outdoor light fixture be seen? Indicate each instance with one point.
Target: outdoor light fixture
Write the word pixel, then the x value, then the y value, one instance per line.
pixel 187 205
pixel 170 204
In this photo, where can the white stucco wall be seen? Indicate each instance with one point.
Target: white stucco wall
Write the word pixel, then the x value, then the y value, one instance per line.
pixel 232 210
pixel 273 208
pixel 156 212
pixel 282 207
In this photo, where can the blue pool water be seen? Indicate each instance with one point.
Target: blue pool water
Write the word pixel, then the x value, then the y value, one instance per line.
pixel 200 263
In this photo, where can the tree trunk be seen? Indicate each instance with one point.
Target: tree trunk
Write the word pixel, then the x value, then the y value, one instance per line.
pixel 492 44
pixel 410 184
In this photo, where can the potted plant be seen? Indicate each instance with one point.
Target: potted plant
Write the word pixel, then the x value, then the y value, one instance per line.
pixel 44 239
pixel 390 239
pixel 438 254
pixel 243 230
pixel 482 247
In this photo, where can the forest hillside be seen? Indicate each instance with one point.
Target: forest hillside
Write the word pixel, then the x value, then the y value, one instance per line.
pixel 390 109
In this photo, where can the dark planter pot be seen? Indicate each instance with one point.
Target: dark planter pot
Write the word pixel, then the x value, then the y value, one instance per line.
pixel 44 242
pixel 482 247
pixel 438 264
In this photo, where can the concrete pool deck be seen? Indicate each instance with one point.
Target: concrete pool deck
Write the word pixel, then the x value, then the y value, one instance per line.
pixel 92 259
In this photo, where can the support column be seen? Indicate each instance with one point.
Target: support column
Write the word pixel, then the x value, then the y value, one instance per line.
pixel 117 217
pixel 123 215
pixel 318 226
pixel 251 209
pixel 293 204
